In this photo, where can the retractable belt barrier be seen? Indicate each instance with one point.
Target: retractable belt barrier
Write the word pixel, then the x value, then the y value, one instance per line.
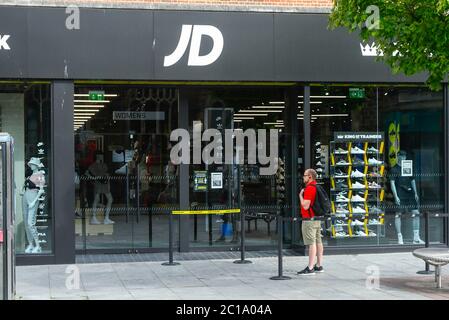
pixel 225 211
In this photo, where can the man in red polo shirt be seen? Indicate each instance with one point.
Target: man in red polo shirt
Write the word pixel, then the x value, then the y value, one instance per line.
pixel 311 228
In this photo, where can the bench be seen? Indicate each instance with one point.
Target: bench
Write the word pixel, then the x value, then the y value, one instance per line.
pixel 436 257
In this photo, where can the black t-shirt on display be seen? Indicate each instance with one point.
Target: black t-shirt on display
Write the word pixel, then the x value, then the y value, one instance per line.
pixel 403 184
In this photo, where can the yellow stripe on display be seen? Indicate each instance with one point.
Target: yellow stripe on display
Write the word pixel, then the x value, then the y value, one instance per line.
pixel 206 211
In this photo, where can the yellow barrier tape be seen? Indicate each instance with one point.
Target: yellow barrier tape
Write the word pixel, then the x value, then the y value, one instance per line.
pixel 206 211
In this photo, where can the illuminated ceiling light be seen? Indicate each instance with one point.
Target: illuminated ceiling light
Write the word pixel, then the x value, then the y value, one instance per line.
pixel 244 118
pixel 88 106
pixel 252 114
pixel 84 114
pixel 325 97
pixel 312 102
pixel 276 102
pixel 332 115
pixel 92 101
pixel 86 95
pixel 271 123
pixel 268 107
pixel 86 110
pixel 237 120
pixel 260 111
pixel 82 117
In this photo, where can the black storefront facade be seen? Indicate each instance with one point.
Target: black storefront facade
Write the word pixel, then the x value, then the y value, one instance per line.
pixel 70 96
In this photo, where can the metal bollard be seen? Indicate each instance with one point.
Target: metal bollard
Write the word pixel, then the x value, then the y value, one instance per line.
pixel 170 243
pixel 242 241
pixel 427 241
pixel 280 276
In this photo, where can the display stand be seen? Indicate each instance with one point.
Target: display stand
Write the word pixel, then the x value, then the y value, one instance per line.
pixel 357 186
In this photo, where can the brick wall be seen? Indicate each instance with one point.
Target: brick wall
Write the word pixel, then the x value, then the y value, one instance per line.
pixel 220 5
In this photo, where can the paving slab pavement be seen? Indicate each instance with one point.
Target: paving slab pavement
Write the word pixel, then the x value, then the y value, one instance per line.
pixel 389 276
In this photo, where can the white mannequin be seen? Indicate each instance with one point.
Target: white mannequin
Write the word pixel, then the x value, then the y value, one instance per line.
pixel 415 212
pixel 99 170
pixel 33 190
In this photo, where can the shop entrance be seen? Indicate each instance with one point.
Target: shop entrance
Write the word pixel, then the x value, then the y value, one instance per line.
pixel 125 183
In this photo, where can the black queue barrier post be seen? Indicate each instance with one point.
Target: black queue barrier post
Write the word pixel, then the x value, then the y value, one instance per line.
pixel 427 243
pixel 170 243
pixel 280 276
pixel 242 240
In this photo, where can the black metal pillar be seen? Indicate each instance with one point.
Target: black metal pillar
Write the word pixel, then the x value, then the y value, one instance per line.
pixel 184 199
pixel 307 133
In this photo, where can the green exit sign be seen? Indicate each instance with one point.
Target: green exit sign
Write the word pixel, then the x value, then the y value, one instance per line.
pixel 96 95
pixel 356 93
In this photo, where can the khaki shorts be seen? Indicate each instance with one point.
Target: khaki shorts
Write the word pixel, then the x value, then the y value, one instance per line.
pixel 311 232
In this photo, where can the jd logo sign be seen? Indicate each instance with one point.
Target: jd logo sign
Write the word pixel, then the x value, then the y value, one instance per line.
pixel 3 42
pixel 193 34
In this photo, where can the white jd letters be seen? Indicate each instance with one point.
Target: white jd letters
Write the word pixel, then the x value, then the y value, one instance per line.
pixel 197 32
pixel 3 42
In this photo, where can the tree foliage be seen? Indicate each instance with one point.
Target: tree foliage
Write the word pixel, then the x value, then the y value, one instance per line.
pixel 413 35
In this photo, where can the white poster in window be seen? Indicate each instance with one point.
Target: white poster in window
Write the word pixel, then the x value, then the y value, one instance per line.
pixel 216 180
pixel 407 168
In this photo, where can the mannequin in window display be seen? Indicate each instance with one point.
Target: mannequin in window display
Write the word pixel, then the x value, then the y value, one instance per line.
pixel 99 172
pixel 406 199
pixel 33 190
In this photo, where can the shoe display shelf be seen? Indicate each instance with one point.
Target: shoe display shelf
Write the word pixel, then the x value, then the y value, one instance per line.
pixel 321 160
pixel 280 183
pixel 357 189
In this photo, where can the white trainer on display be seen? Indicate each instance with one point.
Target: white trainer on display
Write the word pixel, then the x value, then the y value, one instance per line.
pixel 357 223
pixel 374 161
pixel 36 250
pixel 357 174
pixel 342 163
pixel 108 221
pixel 373 150
pixel 416 238
pixel 358 185
pixel 342 199
pixel 400 240
pixel 358 210
pixel 341 151
pixel 29 249
pixel 357 150
pixel 357 198
pixel 373 185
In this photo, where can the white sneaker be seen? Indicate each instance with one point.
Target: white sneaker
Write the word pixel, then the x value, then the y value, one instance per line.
pixel 340 215
pixel 373 185
pixel 357 150
pixel 361 233
pixel 372 234
pixel 342 163
pixel 341 210
pixel 373 150
pixel 358 210
pixel 339 222
pixel 357 174
pixel 400 239
pixel 357 198
pixel 341 199
pixel 374 222
pixel 340 174
pixel 358 185
pixel 319 170
pixel 29 249
pixel 357 223
pixel 37 250
pixel 374 161
pixel 108 221
pixel 318 164
pixel 341 151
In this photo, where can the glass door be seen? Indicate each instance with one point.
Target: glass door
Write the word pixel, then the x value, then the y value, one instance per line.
pixel 123 192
